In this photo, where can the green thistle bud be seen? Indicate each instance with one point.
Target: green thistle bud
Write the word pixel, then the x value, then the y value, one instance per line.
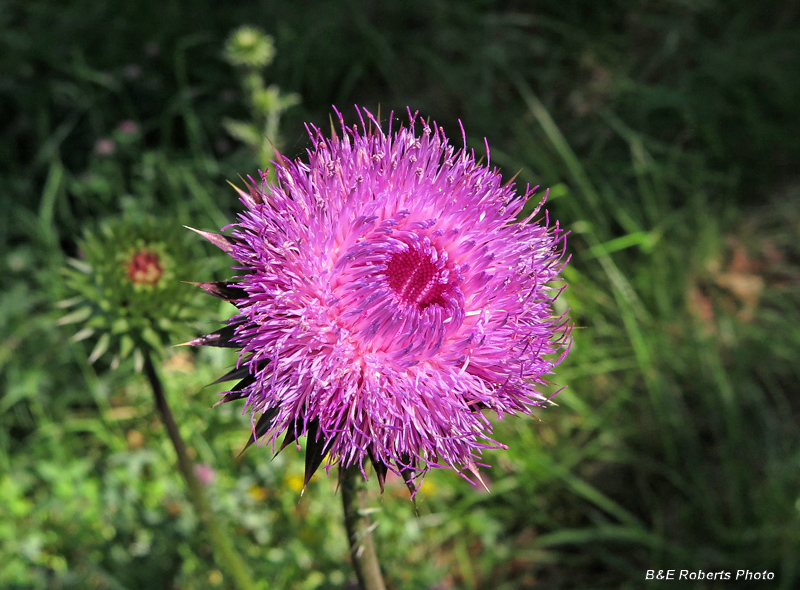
pixel 127 288
pixel 249 47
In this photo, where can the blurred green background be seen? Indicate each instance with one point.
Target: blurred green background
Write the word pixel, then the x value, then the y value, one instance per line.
pixel 668 132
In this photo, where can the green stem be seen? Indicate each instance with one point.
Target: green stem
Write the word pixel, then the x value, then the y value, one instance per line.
pixel 359 529
pixel 223 547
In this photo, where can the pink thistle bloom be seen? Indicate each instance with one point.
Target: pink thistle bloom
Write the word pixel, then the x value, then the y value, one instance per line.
pixel 388 296
pixel 128 127
pixel 105 147
pixel 205 473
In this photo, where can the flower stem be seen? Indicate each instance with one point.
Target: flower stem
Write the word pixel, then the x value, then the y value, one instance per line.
pixel 359 529
pixel 223 547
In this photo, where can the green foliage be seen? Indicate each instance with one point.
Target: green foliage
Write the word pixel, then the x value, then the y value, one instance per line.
pixel 667 133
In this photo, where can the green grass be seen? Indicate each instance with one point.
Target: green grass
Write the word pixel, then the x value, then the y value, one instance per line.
pixel 668 135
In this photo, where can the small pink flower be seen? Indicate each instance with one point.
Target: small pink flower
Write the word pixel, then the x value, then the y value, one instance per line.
pixel 105 147
pixel 205 473
pixel 128 127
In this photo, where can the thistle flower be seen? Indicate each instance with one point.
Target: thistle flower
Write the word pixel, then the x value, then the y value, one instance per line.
pixel 387 296
pixel 127 289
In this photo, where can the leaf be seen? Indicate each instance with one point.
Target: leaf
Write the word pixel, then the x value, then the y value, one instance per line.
pixel 100 348
pixel 243 131
pixel 79 315
pixel 126 346
pixel 80 265
pixel 87 332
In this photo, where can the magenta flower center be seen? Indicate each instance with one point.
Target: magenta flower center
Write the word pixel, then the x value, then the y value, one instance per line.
pixel 416 279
